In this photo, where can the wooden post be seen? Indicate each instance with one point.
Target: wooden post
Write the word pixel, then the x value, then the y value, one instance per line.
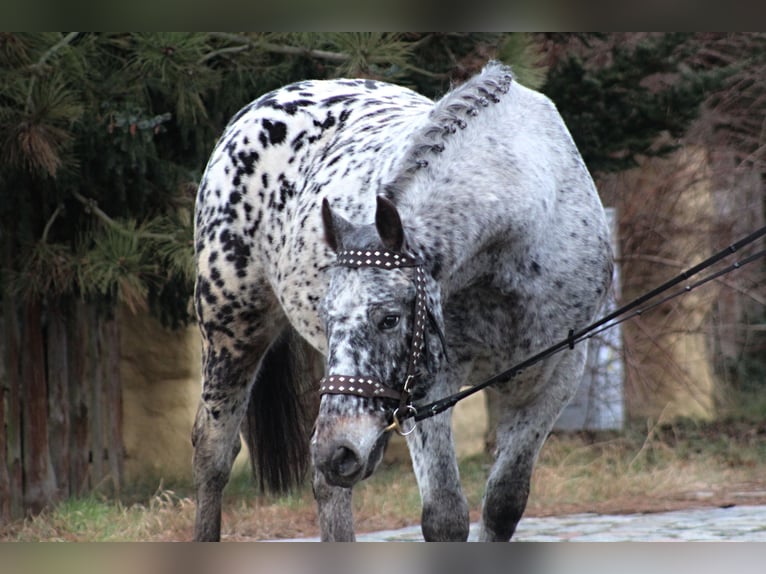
pixel 58 397
pixel 12 456
pixel 110 357
pixel 5 479
pixel 94 386
pixel 78 377
pixel 39 482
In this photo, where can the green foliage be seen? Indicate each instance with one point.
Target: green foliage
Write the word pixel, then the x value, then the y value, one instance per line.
pixel 91 515
pixel 526 58
pixel 619 109
pixel 104 136
pixel 100 129
pixel 95 168
pixel 169 65
pixel 371 53
pixel 49 270
pixel 116 266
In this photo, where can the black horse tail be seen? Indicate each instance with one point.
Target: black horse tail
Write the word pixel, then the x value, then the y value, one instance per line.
pixel 280 415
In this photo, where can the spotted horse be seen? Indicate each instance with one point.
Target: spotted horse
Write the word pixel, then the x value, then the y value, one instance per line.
pixel 413 246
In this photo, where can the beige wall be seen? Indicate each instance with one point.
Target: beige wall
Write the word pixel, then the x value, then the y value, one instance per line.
pixel 160 371
pixel 666 226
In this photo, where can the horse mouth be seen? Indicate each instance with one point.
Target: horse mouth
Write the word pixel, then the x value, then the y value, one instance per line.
pixel 376 455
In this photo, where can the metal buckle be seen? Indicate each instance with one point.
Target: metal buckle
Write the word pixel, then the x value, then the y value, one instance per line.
pixel 397 424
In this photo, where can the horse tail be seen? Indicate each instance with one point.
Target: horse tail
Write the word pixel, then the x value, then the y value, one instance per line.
pixel 281 413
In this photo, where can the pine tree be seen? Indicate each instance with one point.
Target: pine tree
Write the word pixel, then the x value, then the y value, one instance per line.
pixel 620 93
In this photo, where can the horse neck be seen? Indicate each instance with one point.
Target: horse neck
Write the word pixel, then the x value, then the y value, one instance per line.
pixel 456 214
pixel 451 232
pixel 482 175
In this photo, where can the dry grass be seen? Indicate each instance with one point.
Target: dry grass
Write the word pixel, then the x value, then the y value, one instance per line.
pixel 96 519
pixel 640 470
pixel 619 476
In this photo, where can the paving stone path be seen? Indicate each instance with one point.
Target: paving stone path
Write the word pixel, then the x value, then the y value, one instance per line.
pixel 736 523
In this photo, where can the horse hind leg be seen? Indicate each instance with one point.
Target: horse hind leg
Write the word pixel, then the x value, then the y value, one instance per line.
pixel 232 349
pixel 266 388
pixel 215 435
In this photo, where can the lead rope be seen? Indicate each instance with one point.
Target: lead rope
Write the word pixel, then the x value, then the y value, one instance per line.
pixel 574 337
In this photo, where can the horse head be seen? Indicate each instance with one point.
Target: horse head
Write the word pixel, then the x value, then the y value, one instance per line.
pixel 381 311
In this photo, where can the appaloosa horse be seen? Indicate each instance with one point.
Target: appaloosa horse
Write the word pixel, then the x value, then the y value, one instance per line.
pixel 418 246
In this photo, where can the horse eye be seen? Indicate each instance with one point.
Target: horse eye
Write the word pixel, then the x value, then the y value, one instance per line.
pixel 389 322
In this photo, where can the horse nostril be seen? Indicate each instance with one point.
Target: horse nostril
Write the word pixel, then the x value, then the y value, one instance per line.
pixel 345 462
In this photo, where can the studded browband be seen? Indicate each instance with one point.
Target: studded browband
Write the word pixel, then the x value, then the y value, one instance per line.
pixel 366 386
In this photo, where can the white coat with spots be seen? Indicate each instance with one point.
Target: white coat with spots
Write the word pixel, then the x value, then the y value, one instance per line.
pixel 486 189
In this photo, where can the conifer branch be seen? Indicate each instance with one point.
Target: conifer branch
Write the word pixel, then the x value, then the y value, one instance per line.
pixel 92 206
pixel 426 73
pixel 56 47
pixel 56 213
pixel 221 51
pixel 44 58
pixel 337 57
pixel 247 44
pixel 299 51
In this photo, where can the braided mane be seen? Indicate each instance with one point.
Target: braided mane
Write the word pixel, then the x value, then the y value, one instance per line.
pixel 451 113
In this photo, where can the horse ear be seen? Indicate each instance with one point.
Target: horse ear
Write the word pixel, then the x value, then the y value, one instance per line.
pixel 335 227
pixel 389 224
pixel 332 226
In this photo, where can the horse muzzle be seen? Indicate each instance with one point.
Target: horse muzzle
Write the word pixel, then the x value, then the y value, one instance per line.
pixel 347 453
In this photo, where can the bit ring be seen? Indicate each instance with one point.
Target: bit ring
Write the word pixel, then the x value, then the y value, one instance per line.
pixel 397 424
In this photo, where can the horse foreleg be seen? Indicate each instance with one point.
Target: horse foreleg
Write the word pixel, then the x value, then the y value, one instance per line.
pixel 507 488
pixel 520 436
pixel 445 509
pixel 336 521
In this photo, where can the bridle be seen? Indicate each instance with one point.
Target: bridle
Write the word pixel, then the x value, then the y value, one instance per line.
pixel 371 387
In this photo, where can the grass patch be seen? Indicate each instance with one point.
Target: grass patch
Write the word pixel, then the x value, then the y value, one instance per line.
pixel 644 468
pixel 98 519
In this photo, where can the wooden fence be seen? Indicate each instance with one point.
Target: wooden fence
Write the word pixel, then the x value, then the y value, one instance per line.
pixel 60 404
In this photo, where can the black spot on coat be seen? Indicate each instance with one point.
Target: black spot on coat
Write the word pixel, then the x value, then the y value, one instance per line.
pixel 276 130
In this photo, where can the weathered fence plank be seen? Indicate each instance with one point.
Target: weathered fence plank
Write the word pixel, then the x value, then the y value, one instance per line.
pixel 58 397
pixel 95 383
pixel 78 377
pixel 5 479
pixel 112 393
pixel 39 482
pixel 12 456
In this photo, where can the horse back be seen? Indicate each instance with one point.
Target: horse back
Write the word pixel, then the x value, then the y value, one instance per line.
pixel 258 233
